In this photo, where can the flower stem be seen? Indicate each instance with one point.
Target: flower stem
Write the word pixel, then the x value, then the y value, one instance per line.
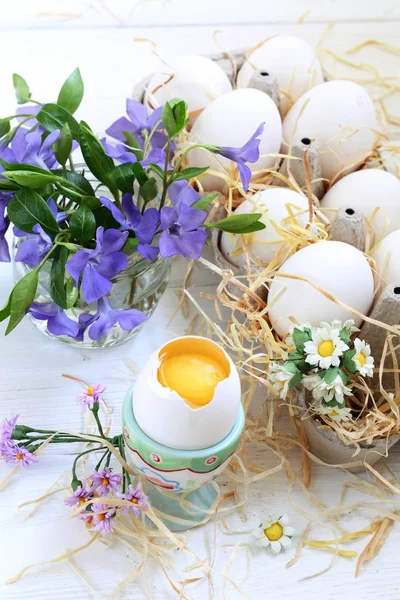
pixel 77 458
pixel 95 411
pixel 165 177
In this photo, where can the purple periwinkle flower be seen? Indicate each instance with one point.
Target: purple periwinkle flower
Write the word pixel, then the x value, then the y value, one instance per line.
pixel 180 192
pixel 139 123
pixel 57 321
pixel 103 518
pixel 137 497
pixel 107 317
pixel 105 481
pixel 28 148
pixel 91 395
pixel 19 455
pixel 80 496
pixel 100 265
pixel 131 219
pixel 181 231
pixel 4 223
pixel 31 109
pixel 249 153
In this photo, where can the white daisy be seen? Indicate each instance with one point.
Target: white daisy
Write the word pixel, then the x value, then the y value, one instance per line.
pixel 274 532
pixel 336 324
pixel 336 413
pixel 325 348
pixel 362 359
pixel 279 378
pixel 335 390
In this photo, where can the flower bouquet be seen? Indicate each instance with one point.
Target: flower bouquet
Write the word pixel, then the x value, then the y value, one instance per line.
pixel 93 241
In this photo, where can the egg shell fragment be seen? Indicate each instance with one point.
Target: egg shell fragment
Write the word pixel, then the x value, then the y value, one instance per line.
pixel 341 117
pixel 367 190
pixel 231 120
pixel 274 204
pixel 387 258
pixel 337 268
pixel 168 419
pixel 291 60
pixel 196 79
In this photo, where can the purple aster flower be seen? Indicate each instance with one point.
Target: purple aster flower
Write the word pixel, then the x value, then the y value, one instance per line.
pixel 105 481
pixel 19 455
pixel 6 431
pixel 250 152
pixel 100 265
pixel 80 496
pixel 131 219
pixel 57 321
pixel 103 518
pixel 181 231
pixel 4 223
pixel 182 193
pixel 107 317
pixel 28 148
pixel 91 395
pixel 137 497
pixel 139 121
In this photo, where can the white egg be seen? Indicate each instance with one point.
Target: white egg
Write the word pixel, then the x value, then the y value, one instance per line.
pixel 390 156
pixel 368 190
pixel 280 207
pixel 341 117
pixel 196 79
pixel 337 268
pixel 230 121
pixel 386 255
pixel 174 421
pixel 291 60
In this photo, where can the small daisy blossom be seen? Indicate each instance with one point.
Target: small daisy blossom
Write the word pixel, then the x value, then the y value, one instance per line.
pixel 336 413
pixel 363 360
pixel 103 518
pixel 311 382
pixel 137 497
pixel 279 378
pixel 80 496
pixel 335 390
pixel 91 395
pixel 274 532
pixel 105 481
pixel 20 455
pixel 336 324
pixel 325 348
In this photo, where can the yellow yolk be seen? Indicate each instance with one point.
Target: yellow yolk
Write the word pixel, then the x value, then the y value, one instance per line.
pixel 274 532
pixel 326 348
pixel 193 368
pixel 361 359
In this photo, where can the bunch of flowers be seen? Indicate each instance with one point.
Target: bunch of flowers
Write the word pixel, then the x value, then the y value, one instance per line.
pixel 20 443
pixel 325 360
pixel 143 203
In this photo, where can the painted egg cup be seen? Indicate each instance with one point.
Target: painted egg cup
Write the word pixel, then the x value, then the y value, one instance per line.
pixel 188 474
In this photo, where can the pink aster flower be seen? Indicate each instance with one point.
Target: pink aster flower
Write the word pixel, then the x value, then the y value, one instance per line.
pixel 19 455
pixel 103 518
pixel 80 496
pixel 91 395
pixel 105 481
pixel 137 497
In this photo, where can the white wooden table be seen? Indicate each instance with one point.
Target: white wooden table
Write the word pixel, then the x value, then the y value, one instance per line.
pixel 44 40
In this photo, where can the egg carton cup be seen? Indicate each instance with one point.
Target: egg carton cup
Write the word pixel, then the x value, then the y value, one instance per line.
pixel 325 443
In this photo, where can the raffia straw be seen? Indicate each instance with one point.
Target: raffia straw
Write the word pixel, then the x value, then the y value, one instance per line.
pixel 374 545
pixel 299 547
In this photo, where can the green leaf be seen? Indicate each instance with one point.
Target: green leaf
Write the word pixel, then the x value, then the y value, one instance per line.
pixel 344 335
pixel 5 311
pixel 4 126
pixel 95 157
pixel 239 224
pixel 76 179
pixel 53 116
pixel 71 93
pixel 149 190
pixel 7 186
pixel 168 120
pixel 57 275
pixel 174 117
pixel 300 338
pixel 105 219
pixel 27 209
pixel 22 296
pixel 82 224
pixel 298 359
pixel 133 145
pixel 21 89
pixel 64 144
pixel 348 361
pixel 130 246
pixel 189 173
pixel 22 167
pixel 139 173
pixel 292 368
pixel 72 292
pixel 330 374
pixel 29 178
pixel 157 170
pixel 205 201
pixel 91 202
pixel 122 177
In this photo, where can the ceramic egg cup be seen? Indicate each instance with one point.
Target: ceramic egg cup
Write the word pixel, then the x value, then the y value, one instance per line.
pixel 185 475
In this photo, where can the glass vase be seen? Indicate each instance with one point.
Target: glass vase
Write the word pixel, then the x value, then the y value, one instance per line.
pixel 140 285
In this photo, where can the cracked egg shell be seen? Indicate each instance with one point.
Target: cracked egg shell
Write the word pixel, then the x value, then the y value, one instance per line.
pixel 195 421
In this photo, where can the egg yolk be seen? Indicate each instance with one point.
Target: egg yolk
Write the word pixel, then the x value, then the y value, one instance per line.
pixel 193 370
